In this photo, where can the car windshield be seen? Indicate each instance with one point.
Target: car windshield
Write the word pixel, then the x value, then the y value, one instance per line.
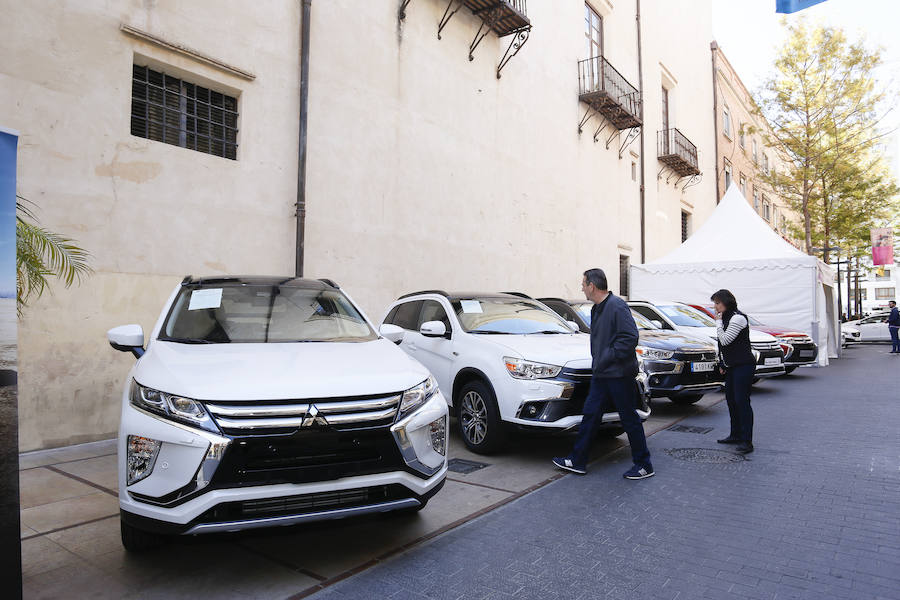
pixel 251 314
pixel 642 322
pixel 754 322
pixel 685 316
pixel 507 316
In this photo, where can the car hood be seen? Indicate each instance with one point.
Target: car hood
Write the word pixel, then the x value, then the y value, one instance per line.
pixel 674 340
pixel 278 371
pixel 776 330
pixel 755 336
pixel 571 350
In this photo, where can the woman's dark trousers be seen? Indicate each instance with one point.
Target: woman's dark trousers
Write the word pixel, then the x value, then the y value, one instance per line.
pixel 737 393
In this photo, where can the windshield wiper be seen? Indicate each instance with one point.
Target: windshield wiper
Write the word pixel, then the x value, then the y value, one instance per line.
pixel 548 332
pixel 489 331
pixel 189 340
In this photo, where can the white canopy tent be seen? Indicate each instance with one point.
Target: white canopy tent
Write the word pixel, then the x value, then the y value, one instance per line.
pixel 737 250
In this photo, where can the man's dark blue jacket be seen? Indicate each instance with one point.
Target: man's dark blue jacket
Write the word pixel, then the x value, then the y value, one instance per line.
pixel 614 336
pixel 894 318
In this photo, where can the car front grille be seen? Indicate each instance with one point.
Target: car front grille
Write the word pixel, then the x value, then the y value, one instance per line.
pixel 285 416
pixel 763 346
pixel 696 356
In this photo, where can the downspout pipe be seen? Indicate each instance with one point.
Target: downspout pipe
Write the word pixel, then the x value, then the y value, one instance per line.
pixel 637 18
pixel 714 49
pixel 301 153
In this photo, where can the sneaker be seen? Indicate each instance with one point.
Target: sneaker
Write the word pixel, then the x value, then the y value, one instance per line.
pixel 639 472
pixel 567 465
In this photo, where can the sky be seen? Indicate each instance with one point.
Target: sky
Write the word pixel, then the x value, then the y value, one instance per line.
pixel 749 33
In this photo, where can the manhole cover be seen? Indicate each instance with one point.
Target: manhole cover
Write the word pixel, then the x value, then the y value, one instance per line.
pixel 461 465
pixel 690 429
pixel 704 455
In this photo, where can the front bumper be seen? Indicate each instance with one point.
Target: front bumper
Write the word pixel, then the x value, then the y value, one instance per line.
pixel 675 377
pixel 203 482
pixel 557 404
pixel 802 354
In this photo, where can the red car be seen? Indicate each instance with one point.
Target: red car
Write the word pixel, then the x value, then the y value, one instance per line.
pixel 799 349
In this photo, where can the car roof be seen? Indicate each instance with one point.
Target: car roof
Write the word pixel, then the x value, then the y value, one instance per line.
pixel 264 280
pixel 451 296
pixel 569 302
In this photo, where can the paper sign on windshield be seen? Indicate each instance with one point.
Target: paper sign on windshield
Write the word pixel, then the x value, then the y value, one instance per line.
pixel 205 299
pixel 471 306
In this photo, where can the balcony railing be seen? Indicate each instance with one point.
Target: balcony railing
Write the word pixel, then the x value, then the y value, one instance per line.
pixel 504 17
pixel 604 88
pixel 677 152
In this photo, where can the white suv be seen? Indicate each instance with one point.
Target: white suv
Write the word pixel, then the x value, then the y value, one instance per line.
pixel 263 401
pixel 502 360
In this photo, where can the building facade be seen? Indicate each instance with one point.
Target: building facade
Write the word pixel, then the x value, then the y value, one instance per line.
pixel 510 150
pixel 743 156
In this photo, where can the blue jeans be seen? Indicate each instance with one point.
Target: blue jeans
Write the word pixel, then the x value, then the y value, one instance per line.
pixel 622 393
pixel 895 338
pixel 737 394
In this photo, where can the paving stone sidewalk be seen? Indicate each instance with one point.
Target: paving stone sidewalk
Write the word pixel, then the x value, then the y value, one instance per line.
pixel 813 513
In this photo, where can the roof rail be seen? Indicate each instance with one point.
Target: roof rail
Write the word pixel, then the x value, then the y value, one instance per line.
pixel 519 294
pixel 438 292
pixel 187 280
pixel 329 282
pixel 548 299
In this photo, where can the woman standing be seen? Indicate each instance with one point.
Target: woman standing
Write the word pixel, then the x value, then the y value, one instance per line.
pixel 736 355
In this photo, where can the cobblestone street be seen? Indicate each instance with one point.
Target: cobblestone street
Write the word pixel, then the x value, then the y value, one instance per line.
pixel 813 513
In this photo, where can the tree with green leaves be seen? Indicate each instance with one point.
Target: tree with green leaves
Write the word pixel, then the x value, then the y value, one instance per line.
pixel 826 107
pixel 41 254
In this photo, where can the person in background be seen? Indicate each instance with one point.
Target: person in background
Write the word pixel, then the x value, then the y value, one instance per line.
pixel 894 327
pixel 739 366
pixel 614 337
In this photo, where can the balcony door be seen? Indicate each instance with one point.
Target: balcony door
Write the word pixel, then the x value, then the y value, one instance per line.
pixel 593 47
pixel 665 121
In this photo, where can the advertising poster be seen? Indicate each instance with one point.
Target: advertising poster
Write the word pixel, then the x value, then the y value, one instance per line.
pixel 882 246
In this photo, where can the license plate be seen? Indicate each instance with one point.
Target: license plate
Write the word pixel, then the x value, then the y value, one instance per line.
pixel 806 354
pixel 699 367
pixel 772 362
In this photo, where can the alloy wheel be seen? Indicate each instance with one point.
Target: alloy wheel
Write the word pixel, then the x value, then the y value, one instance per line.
pixel 473 414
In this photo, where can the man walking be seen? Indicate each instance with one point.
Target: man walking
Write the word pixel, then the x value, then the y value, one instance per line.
pixel 614 337
pixel 894 327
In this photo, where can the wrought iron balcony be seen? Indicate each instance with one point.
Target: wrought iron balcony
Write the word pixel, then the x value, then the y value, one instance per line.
pixel 609 93
pixel 677 152
pixel 504 17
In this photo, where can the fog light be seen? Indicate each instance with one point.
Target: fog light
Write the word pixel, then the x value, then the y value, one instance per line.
pixel 141 457
pixel 438 431
pixel 531 410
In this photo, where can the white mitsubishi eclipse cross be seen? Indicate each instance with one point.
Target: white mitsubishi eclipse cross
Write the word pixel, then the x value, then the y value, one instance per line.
pixel 503 360
pixel 263 401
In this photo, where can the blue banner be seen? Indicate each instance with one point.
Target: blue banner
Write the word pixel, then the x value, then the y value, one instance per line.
pixel 8 142
pixel 792 6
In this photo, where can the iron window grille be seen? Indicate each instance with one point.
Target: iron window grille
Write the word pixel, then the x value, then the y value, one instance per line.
pixel 685 225
pixel 173 111
pixel 624 264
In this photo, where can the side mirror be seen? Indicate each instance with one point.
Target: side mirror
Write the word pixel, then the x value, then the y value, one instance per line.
pixel 573 326
pixel 127 338
pixel 657 323
pixel 433 329
pixel 391 332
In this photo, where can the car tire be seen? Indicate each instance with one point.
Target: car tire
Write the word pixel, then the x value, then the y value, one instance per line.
pixel 137 540
pixel 479 418
pixel 789 370
pixel 686 398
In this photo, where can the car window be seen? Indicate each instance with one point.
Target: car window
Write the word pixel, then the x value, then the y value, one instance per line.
pixel 584 310
pixel 652 315
pixel 263 313
pixel 685 316
pixel 433 311
pixel 507 315
pixel 641 321
pixel 407 315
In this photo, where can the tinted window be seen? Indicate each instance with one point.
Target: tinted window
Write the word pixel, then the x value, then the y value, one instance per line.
pixel 407 315
pixel 263 313
pixel 433 311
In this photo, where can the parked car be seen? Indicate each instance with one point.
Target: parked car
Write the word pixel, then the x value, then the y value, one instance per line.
pixel 263 401
pixel 681 317
pixel 873 328
pixel 680 366
pixel 501 360
pixel 798 347
pixel 849 334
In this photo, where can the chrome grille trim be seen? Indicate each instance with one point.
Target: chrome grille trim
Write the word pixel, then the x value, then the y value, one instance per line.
pixel 246 417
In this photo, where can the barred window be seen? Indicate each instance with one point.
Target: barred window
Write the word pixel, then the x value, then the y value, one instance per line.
pixel 624 264
pixel 685 225
pixel 173 111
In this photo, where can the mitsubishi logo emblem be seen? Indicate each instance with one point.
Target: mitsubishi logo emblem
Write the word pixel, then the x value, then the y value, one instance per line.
pixel 313 418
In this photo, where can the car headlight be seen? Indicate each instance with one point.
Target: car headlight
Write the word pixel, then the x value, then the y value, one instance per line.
pixel 653 353
pixel 416 396
pixel 526 369
pixel 169 406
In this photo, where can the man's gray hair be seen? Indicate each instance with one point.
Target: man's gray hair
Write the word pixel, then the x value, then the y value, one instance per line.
pixel 597 277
